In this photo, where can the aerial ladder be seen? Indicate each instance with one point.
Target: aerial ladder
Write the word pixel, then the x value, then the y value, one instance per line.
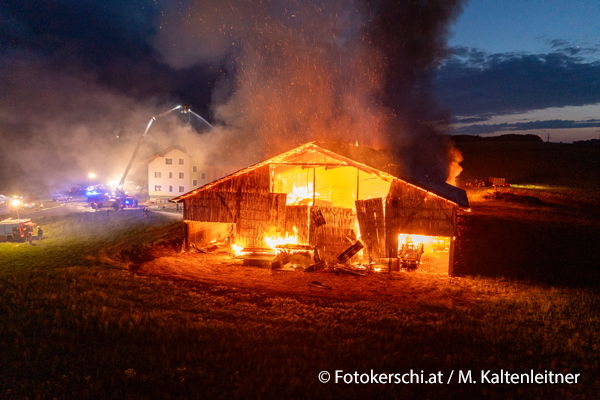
pixel 185 109
pixel 121 199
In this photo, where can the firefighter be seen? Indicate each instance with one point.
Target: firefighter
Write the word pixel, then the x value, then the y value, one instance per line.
pixel 29 235
pixel 40 233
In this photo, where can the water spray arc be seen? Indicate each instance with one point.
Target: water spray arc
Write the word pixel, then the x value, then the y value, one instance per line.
pixel 186 108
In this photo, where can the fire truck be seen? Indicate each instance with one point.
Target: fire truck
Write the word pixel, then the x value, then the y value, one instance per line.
pixel 16 230
pixel 120 199
pixel 115 201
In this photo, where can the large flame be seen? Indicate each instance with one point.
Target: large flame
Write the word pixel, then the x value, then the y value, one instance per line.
pixel 454 169
pixel 300 193
pixel 273 241
pixel 236 249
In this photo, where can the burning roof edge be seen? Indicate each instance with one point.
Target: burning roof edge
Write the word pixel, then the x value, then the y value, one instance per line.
pixel 440 189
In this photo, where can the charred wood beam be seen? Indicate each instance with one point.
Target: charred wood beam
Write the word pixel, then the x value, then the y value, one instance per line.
pixel 316 217
pixel 350 251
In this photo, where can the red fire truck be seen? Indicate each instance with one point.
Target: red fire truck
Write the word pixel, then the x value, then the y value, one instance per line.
pixel 16 230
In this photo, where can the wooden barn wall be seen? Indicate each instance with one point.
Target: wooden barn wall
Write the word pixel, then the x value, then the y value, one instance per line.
pixel 254 181
pixel 371 220
pixel 211 206
pixel 413 211
pixel 256 215
pixel 204 233
pixel 297 217
pixel 330 239
pixel 254 222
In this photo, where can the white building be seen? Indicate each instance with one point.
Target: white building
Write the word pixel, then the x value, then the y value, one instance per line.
pixel 173 172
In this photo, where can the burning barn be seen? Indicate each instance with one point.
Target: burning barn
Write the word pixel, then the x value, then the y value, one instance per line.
pixel 312 199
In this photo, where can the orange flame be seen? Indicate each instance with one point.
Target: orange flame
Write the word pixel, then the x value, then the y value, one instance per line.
pixel 454 169
pixel 273 241
pixel 300 193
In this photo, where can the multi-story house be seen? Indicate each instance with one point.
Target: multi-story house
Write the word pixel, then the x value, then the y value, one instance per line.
pixel 173 172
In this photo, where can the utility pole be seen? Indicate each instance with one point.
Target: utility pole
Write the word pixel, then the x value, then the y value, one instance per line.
pixel 548 138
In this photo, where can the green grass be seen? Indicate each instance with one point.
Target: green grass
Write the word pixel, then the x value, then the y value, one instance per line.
pixel 74 324
pixel 532 163
pixel 78 239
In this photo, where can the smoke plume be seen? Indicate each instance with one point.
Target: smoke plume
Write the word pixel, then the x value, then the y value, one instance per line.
pixel 352 71
pixel 59 126
pixel 279 73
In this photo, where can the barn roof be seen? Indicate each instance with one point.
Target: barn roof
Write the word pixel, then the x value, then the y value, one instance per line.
pixel 313 154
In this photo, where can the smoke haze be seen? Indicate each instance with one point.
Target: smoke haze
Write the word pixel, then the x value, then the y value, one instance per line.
pixel 342 70
pixel 276 74
pixel 60 126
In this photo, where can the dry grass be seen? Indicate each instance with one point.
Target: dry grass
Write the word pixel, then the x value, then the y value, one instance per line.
pixel 74 323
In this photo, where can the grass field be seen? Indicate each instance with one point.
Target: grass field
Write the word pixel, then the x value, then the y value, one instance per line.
pixel 75 324
pixel 533 163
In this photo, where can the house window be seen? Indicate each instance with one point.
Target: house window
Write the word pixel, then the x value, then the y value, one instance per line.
pixel 170 175
pixel 169 161
pixel 203 175
pixel 170 188
pixel 181 175
pixel 195 168
pixel 181 161
pixel 158 188
pixel 195 182
pixel 181 188
pixel 157 174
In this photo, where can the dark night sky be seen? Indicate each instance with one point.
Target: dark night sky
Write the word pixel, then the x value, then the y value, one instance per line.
pixel 108 39
pixel 88 75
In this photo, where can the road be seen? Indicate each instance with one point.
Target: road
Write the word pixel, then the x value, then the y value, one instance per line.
pixel 78 205
pixel 52 208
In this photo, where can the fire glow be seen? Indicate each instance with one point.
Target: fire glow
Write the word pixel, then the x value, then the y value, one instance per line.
pixel 437 242
pixel 300 194
pixel 274 241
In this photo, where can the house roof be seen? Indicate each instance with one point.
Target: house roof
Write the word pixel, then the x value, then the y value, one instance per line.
pixel 313 154
pixel 162 154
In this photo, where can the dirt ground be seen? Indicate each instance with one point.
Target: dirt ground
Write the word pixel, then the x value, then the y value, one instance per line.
pixel 222 272
pixel 545 243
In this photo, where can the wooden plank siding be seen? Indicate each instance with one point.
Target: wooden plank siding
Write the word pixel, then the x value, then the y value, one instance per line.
pixel 211 206
pixel 414 211
pixel 256 215
pixel 254 181
pixel 256 221
pixel 330 239
pixel 204 233
pixel 371 220
pixel 297 217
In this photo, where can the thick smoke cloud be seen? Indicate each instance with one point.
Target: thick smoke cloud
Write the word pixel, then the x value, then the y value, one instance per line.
pixel 81 82
pixel 338 70
pixel 58 126
pixel 411 38
pixel 74 77
pixel 294 71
